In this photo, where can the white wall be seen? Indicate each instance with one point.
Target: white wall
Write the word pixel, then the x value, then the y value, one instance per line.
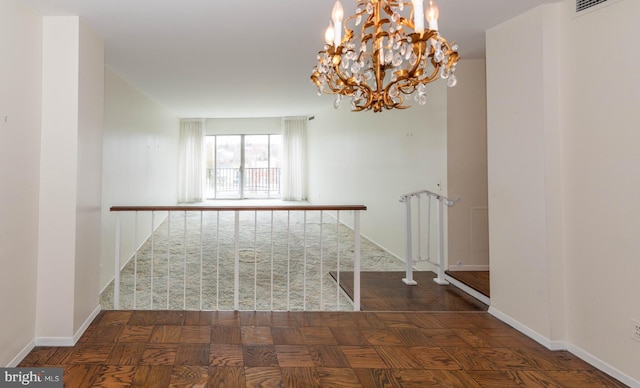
pixel 467 168
pixel 373 158
pixel 248 126
pixel 20 103
pixel 517 157
pixel 58 177
pixel 89 176
pixel 601 140
pixel 140 165
pixel 563 181
pixel 69 223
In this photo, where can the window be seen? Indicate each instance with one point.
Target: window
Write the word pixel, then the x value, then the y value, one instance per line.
pixel 243 166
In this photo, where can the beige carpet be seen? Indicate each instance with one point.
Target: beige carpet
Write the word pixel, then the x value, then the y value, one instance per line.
pixel 301 278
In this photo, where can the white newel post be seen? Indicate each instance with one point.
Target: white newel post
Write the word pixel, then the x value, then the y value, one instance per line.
pixel 441 265
pixel 409 261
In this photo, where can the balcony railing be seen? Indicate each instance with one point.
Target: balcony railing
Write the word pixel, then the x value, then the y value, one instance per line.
pixel 239 258
pixel 256 180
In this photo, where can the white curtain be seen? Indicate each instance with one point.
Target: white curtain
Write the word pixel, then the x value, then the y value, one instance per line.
pixel 294 147
pixel 191 166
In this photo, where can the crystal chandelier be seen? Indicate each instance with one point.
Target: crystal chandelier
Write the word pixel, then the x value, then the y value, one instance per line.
pixel 390 58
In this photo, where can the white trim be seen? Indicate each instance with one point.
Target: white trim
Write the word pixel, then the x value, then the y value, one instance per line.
pixel 463 267
pixel 54 341
pixel 68 341
pixel 482 298
pixel 23 353
pixel 603 366
pixel 561 345
pixel 534 335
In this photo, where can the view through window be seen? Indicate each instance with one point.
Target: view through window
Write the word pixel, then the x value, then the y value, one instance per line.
pixel 243 166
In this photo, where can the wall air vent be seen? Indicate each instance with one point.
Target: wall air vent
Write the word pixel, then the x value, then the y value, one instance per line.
pixel 585 6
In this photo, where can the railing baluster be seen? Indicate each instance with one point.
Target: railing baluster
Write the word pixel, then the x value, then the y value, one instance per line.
pixel 338 260
pixel 236 275
pixel 271 260
pixel 255 260
pixel 429 228
pixel 321 261
pixel 356 261
pixel 184 274
pixel 218 260
pixel 168 257
pixel 288 257
pixel 304 262
pixel 201 256
pixel 135 261
pixel 153 214
pixel 116 276
pixel 420 227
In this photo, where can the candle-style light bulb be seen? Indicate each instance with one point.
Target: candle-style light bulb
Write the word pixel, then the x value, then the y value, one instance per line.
pixel 432 15
pixel 418 20
pixel 336 15
pixel 329 34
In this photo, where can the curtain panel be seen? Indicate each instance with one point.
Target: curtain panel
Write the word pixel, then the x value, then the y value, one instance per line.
pixel 294 147
pixel 191 170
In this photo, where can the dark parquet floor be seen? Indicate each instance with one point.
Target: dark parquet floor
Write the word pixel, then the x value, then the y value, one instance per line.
pixel 478 280
pixel 385 291
pixel 310 349
pixel 392 347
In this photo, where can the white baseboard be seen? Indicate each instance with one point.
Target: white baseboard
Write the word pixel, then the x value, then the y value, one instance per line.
pixel 534 335
pixel 562 345
pixel 482 298
pixel 603 366
pixel 68 341
pixel 463 267
pixel 23 353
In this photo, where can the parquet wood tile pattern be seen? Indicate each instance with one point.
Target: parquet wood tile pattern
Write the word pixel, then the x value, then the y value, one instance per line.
pixel 310 349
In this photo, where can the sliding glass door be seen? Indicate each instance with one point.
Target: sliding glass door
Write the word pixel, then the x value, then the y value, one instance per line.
pixel 243 166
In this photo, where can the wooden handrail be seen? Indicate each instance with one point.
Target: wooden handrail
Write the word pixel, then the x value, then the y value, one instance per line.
pixel 237 208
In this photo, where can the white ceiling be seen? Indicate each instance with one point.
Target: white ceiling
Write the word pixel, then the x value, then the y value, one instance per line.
pixel 242 58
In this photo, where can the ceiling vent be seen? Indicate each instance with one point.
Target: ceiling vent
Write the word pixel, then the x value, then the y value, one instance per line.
pixel 585 6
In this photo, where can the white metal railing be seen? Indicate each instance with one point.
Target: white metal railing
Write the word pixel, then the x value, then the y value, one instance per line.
pixel 423 246
pixel 203 255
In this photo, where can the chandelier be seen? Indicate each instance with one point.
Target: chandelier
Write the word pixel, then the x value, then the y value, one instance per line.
pixel 392 57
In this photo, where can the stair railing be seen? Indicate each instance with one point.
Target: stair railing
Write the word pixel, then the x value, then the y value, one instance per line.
pixel 424 239
pixel 171 291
